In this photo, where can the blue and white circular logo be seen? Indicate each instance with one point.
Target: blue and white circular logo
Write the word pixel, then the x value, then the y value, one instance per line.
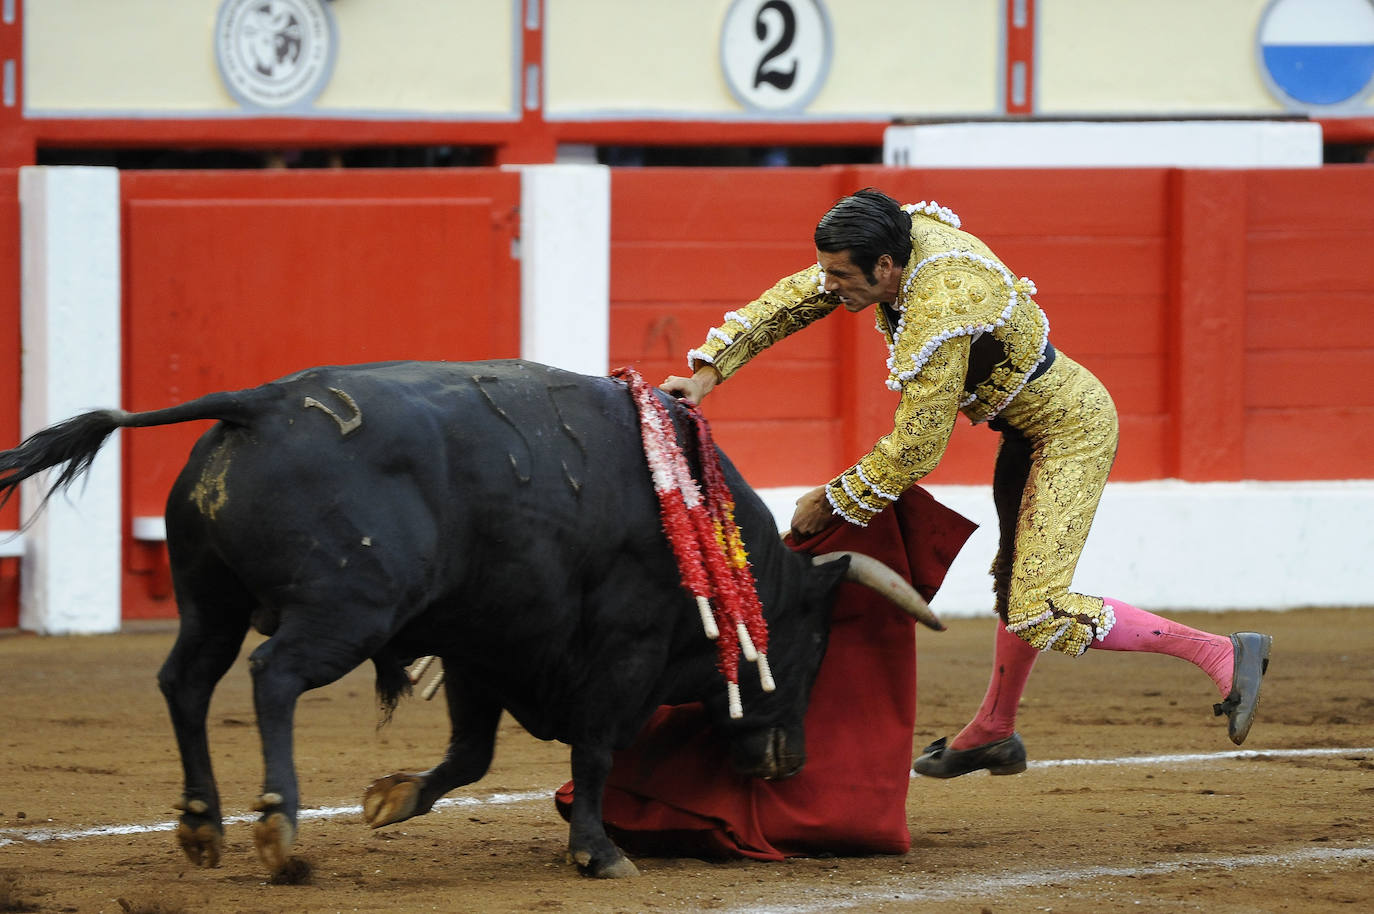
pixel 275 54
pixel 1318 52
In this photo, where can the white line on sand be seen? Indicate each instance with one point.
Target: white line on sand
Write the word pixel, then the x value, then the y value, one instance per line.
pixel 1195 757
pixel 985 887
pixel 39 835
pixel 11 835
pixel 1200 757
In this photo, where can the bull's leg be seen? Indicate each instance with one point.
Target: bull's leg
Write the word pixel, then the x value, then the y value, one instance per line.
pixel 473 716
pixel 311 649
pixel 588 844
pixel 198 660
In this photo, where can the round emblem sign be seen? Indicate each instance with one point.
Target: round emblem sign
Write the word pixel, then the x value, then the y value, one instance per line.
pixel 275 54
pixel 775 53
pixel 1317 52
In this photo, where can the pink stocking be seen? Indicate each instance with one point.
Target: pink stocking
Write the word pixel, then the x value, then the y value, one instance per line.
pixel 1138 630
pixel 1135 630
pixel 1012 660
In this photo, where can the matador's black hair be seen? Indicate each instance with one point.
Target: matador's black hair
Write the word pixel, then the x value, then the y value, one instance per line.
pixel 868 224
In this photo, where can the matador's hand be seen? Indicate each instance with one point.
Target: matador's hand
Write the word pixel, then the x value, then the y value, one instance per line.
pixel 813 513
pixel 695 388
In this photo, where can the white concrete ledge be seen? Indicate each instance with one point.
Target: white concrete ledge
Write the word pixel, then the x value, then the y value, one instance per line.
pixel 1180 545
pixel 11 544
pixel 72 332
pixel 149 529
pixel 565 266
pixel 1106 144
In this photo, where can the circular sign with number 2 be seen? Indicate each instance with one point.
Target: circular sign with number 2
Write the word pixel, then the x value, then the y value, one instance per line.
pixel 775 53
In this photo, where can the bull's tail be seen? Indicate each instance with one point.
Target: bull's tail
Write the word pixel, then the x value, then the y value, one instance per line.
pixel 74 443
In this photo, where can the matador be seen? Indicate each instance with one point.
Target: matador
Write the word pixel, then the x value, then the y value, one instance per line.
pixel 965 335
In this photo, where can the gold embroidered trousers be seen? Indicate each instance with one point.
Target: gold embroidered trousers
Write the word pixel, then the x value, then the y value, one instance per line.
pixel 1059 440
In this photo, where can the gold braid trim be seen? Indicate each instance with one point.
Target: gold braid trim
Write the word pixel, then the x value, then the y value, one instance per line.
pixel 954 287
pixel 921 429
pixel 1071 420
pixel 945 296
pixel 1024 335
pixel 794 302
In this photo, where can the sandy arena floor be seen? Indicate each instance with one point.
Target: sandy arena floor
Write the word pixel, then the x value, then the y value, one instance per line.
pixel 1135 799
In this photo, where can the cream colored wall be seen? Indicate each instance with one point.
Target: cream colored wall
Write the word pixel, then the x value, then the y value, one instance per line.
pixel 663 56
pixel 919 57
pixel 133 55
pixel 443 57
pixel 654 55
pixel 1159 57
pixel 436 56
pixel 660 58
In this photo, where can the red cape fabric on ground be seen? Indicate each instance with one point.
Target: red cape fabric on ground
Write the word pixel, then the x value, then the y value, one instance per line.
pixel 674 794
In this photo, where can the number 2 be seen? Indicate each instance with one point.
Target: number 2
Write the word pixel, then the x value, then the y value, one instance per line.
pixel 779 79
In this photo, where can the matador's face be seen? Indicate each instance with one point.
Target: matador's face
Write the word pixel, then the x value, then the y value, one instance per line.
pixel 844 279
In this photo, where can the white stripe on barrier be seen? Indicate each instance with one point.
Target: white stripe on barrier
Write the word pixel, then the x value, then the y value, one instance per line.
pixel 150 529
pixel 70 312
pixel 1169 545
pixel 11 544
pixel 565 230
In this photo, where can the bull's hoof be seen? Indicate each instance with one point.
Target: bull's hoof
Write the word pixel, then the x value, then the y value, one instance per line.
pixel 393 798
pixel 273 836
pixel 617 867
pixel 200 840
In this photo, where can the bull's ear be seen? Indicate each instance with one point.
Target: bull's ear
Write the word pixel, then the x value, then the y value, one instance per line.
pixel 830 572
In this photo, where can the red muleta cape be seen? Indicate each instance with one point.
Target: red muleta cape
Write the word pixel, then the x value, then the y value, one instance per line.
pixel 674 794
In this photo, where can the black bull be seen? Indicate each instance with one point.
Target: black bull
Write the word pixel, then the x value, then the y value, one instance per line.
pixel 499 515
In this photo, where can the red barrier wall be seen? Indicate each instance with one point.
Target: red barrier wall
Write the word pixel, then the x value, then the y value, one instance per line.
pixel 1308 332
pixel 1227 311
pixel 686 248
pixel 10 369
pixel 232 279
pixel 687 245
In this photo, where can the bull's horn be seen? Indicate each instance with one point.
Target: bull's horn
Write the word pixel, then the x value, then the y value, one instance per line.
pixel 868 571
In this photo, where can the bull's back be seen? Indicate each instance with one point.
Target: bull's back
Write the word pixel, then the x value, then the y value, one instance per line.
pixel 507 430
pixel 417 471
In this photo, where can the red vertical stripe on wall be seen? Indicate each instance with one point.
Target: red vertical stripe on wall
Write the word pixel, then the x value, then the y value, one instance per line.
pixel 16 140
pixel 531 142
pixel 1020 70
pixel 1207 342
pixel 9 376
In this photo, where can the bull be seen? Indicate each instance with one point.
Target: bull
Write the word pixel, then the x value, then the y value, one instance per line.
pixel 496 514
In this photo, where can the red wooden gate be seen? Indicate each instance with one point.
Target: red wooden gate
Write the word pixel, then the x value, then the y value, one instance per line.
pixel 233 279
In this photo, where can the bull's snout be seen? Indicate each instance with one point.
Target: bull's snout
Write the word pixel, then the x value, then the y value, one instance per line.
pixel 769 754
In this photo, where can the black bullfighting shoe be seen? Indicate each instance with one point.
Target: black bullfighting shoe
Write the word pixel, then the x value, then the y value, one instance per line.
pixel 1003 756
pixel 1250 664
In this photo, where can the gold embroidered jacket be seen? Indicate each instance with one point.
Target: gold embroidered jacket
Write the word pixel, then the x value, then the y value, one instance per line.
pixel 953 290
